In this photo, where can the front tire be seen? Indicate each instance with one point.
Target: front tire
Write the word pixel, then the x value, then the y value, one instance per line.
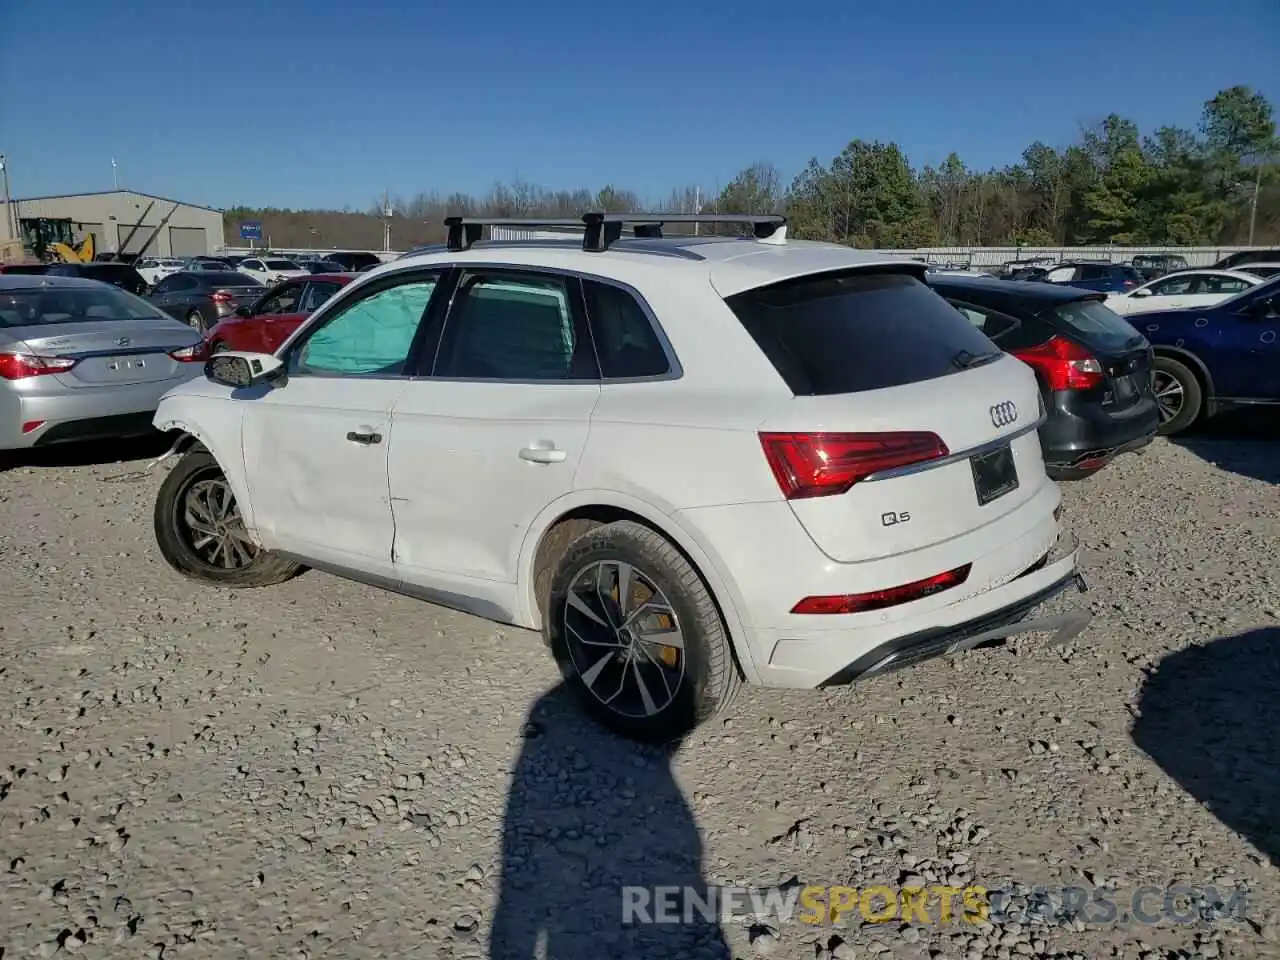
pixel 637 634
pixel 1178 395
pixel 201 534
pixel 196 321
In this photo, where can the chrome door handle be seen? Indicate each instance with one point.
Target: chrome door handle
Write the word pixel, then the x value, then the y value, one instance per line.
pixel 365 438
pixel 543 455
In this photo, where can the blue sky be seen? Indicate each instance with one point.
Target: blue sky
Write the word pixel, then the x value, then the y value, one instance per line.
pixel 325 103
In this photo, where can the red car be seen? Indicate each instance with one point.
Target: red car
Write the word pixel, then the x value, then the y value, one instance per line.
pixel 262 327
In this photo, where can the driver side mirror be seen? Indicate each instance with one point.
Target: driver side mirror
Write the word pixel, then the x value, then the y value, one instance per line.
pixel 243 369
pixel 1261 308
pixel 243 312
pixel 1143 292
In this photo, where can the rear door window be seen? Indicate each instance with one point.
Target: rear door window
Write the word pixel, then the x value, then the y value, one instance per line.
pixel 855 331
pixel 1097 325
pixel 624 338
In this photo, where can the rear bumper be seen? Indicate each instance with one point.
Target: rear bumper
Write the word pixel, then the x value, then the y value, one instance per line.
pixel 82 414
pixel 997 625
pixel 1077 433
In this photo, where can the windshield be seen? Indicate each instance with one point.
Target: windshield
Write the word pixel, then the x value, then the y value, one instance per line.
pixel 1097 323
pixel 281 265
pixel 40 306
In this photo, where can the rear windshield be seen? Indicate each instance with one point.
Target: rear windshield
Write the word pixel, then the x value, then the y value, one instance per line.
pixel 42 306
pixel 1097 324
pixel 843 333
pixel 118 271
pixel 1263 272
pixel 227 278
pixel 1128 273
pixel 281 265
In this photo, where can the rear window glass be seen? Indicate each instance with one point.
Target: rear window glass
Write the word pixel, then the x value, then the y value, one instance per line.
pixel 41 307
pixel 281 265
pixel 844 333
pixel 1096 323
pixel 227 278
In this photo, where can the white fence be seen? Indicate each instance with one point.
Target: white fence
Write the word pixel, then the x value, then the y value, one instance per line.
pixel 995 256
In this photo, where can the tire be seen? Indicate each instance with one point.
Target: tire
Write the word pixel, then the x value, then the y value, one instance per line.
pixel 1173 375
pixel 219 346
pixel 708 676
pixel 196 321
pixel 177 540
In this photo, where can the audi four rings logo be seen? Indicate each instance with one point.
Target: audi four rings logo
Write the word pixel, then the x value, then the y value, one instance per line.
pixel 1003 414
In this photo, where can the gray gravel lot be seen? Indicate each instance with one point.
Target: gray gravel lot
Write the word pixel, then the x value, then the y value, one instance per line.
pixel 324 770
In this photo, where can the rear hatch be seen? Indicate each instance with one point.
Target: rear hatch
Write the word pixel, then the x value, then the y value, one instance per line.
pixel 1122 352
pixel 115 352
pixel 908 428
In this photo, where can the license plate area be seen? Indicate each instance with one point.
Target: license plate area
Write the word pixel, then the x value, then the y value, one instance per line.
pixel 994 474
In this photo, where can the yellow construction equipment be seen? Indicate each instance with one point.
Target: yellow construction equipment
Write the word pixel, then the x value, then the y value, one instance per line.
pixel 80 254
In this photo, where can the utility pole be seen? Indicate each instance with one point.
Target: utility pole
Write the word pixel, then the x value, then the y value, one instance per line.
pixel 10 215
pixel 697 206
pixel 1253 206
pixel 115 173
pixel 386 221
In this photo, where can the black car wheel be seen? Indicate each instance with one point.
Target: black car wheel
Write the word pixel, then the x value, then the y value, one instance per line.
pixel 201 533
pixel 195 321
pixel 1178 395
pixel 637 634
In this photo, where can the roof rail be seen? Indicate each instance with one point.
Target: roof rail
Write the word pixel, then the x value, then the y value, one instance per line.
pixel 602 230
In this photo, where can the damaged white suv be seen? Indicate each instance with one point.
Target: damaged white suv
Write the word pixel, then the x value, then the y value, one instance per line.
pixel 688 461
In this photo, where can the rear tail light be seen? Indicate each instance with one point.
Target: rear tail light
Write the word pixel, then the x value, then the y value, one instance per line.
pixel 822 464
pixel 1064 364
pixel 880 599
pixel 16 366
pixel 222 296
pixel 196 353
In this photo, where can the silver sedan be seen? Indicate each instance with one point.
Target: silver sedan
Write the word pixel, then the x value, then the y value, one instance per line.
pixel 83 360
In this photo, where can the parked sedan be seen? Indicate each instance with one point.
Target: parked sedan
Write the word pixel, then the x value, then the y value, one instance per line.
pixel 1263 271
pixel 1212 359
pixel 271 269
pixel 1187 288
pixel 155 269
pixel 263 326
pixel 203 297
pixel 1094 275
pixel 80 360
pixel 1094 368
pixel 117 274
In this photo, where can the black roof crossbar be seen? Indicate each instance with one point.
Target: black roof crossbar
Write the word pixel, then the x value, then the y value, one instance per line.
pixel 602 230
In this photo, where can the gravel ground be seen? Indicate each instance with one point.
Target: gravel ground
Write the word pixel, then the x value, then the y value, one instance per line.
pixel 324 770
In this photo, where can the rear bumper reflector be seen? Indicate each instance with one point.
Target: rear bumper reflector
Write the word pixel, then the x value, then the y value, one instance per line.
pixel 31 425
pixel 889 597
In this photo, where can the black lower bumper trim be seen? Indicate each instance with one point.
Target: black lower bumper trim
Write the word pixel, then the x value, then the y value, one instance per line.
pixel 936 641
pixel 99 428
pixel 1108 452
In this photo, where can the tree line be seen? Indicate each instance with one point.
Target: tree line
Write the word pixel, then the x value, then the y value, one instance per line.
pixel 1217 184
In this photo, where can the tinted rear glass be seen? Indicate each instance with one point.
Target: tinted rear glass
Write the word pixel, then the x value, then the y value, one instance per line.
pixel 226 278
pixel 843 333
pixel 88 304
pixel 1097 325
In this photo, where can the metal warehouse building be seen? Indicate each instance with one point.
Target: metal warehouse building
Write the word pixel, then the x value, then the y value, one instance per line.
pixel 121 221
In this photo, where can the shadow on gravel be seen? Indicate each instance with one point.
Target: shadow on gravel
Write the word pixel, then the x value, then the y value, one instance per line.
pixel 1243 442
pixel 87 454
pixel 587 814
pixel 1208 718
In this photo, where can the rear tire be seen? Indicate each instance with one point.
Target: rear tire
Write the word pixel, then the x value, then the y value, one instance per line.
pixel 672 665
pixel 195 321
pixel 200 532
pixel 1178 394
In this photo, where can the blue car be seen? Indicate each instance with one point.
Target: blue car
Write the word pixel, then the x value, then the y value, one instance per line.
pixel 1209 359
pixel 1095 275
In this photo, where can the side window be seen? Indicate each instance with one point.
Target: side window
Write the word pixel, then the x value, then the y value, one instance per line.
pixel 180 282
pixel 252 264
pixel 1061 274
pixel 991 322
pixel 1222 285
pixel 1172 287
pixel 283 300
pixel 1093 273
pixel 510 326
pixel 61 270
pixel 316 294
pixel 370 336
pixel 625 341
